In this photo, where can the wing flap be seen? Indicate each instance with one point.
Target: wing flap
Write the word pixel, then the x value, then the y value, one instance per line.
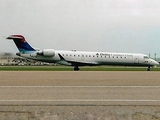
pixel 82 63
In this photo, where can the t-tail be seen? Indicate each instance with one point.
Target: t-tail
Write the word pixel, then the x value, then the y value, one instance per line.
pixel 21 44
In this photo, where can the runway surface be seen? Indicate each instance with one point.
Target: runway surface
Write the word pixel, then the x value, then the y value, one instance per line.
pixel 80 88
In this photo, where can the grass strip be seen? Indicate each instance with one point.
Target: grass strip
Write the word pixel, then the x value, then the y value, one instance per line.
pixel 65 68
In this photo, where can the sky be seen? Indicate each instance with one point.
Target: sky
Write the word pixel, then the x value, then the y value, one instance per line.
pixel 128 26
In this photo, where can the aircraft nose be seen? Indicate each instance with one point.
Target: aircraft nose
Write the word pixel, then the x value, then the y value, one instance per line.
pixel 154 63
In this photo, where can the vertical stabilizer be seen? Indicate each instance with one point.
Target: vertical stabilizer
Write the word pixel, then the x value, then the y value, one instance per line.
pixel 21 43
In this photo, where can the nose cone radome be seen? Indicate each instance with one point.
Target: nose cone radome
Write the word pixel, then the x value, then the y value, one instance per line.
pixel 154 63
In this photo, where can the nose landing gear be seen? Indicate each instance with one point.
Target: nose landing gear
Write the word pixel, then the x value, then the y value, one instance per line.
pixel 149 68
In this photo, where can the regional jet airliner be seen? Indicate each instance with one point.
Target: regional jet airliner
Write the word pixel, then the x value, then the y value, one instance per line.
pixel 81 58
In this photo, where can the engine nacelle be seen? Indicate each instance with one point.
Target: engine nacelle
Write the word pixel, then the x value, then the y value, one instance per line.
pixel 47 52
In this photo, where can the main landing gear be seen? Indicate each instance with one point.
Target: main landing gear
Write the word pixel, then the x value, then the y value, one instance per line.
pixel 76 68
pixel 149 68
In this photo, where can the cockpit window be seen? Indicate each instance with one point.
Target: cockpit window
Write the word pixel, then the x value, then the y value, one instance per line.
pixel 146 57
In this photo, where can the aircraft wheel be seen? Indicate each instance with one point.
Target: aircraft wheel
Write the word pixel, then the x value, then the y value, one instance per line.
pixel 76 68
pixel 148 69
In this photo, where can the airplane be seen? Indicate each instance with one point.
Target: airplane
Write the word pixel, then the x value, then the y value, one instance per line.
pixel 81 58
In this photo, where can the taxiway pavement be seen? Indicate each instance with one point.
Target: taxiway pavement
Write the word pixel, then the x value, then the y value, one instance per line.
pixel 80 88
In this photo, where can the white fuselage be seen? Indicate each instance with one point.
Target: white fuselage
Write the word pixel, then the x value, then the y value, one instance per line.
pixel 80 58
pixel 75 58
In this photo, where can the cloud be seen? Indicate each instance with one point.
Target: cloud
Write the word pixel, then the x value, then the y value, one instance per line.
pixel 96 25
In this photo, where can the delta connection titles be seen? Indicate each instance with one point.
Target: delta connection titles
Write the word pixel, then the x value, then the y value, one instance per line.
pixel 113 55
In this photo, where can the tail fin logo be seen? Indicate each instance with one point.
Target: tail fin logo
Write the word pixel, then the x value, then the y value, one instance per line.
pixel 23 40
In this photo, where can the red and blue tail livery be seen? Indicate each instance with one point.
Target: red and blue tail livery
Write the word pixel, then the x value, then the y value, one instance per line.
pixel 21 44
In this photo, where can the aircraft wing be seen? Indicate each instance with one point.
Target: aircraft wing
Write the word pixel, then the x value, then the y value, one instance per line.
pixel 78 63
pixel 82 63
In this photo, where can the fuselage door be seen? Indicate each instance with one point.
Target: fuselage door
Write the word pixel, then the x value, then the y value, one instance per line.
pixel 136 59
pixel 82 57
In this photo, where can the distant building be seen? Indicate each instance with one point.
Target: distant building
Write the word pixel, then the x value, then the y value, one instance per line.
pixel 11 59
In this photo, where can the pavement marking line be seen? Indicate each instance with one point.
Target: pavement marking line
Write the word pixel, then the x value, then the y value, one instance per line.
pixel 80 100
pixel 80 86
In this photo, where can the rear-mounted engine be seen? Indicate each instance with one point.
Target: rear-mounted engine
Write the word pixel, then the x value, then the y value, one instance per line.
pixel 47 52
